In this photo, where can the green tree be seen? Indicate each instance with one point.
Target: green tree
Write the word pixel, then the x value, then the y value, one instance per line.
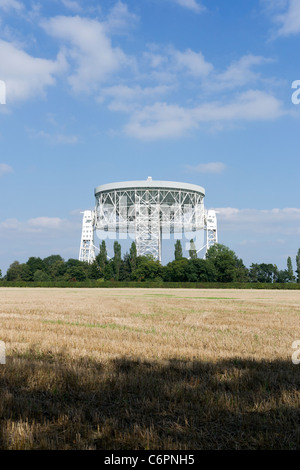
pixel 125 268
pixel 51 260
pixel 117 259
pixel 35 264
pixel 75 273
pixel 26 273
pixel 291 277
pixel 40 276
pixel 178 254
pixel 225 262
pixel 192 270
pixel 241 272
pixel 57 270
pixel 177 270
pixel 192 250
pixel 147 269
pixel 298 265
pixel 283 276
pixel 108 271
pixel 93 271
pixel 14 272
pixel 263 272
pixel 132 256
pixel 73 262
pixel 101 258
pixel 200 270
pixel 254 272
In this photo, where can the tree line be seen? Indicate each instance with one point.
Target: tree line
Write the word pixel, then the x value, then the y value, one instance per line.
pixel 221 265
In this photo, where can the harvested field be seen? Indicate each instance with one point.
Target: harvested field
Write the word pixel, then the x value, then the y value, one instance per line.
pixel 149 369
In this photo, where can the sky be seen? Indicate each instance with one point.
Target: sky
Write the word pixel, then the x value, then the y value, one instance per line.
pixel 181 90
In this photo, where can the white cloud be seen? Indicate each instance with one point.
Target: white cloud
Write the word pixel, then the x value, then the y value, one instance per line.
pixel 7 5
pixel 46 223
pixel 170 62
pixel 281 221
pixel 191 5
pixel 27 76
pixel 90 50
pixel 126 99
pixel 252 105
pixel 39 236
pixel 211 167
pixel 193 62
pixel 154 59
pixel 119 18
pixel 286 13
pixel 50 225
pixel 4 169
pixel 162 120
pixel 290 20
pixel 54 138
pixel 273 5
pixel 72 5
pixel 239 73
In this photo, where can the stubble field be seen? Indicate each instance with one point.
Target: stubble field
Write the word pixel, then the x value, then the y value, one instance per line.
pixel 149 369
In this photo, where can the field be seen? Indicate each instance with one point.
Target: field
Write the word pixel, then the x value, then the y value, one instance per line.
pixel 149 369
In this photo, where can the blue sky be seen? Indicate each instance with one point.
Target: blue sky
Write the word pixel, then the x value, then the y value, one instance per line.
pixel 182 90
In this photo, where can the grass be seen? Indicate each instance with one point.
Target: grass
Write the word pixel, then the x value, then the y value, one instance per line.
pixel 88 370
pixel 113 326
pixel 178 297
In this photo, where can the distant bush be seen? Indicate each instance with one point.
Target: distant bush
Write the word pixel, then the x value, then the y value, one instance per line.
pixel 148 284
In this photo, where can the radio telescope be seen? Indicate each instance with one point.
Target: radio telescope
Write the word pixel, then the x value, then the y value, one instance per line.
pixel 147 210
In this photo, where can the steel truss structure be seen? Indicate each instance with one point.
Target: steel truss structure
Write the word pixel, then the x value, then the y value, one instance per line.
pixel 148 210
pixel 211 229
pixel 87 248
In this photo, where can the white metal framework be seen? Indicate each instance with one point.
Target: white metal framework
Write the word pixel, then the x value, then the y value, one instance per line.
pixel 87 249
pixel 211 229
pixel 148 209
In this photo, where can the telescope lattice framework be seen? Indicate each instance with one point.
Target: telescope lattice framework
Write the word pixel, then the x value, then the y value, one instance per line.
pixel 147 209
